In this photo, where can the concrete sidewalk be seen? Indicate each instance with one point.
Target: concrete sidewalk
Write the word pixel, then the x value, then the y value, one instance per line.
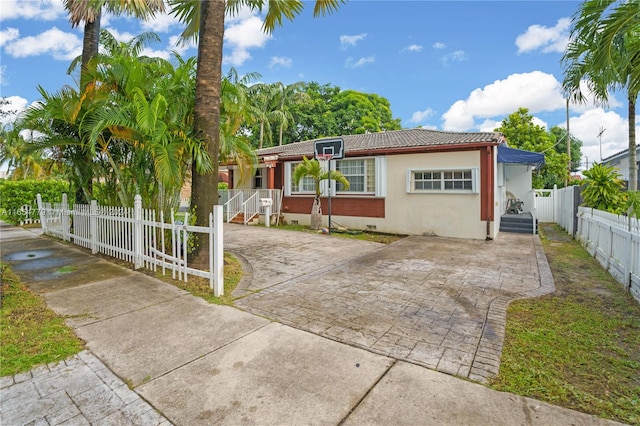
pixel 197 363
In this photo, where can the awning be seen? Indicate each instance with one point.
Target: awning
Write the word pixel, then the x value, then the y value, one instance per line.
pixel 519 156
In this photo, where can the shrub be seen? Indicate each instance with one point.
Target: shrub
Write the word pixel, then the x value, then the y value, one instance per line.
pixel 603 189
pixel 16 193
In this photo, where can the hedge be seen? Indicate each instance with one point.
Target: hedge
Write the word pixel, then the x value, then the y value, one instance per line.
pixel 16 193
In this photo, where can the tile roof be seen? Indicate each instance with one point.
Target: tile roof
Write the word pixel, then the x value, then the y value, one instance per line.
pixel 370 142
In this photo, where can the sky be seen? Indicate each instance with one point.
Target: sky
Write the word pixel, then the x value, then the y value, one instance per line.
pixel 445 65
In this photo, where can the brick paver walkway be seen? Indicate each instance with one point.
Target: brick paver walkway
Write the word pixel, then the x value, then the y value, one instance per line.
pixel 77 391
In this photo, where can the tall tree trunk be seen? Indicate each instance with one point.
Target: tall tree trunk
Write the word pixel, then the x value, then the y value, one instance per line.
pixel 90 43
pixel 633 162
pixel 204 189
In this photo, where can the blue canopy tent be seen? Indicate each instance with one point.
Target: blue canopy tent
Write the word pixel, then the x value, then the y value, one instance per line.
pixel 519 156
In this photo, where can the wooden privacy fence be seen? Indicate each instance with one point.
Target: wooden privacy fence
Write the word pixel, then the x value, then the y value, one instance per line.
pixel 134 235
pixel 615 242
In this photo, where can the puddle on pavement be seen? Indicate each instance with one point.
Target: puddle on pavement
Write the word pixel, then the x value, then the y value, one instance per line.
pixel 27 255
pixel 42 263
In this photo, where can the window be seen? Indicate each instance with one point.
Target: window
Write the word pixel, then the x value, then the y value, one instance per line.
pixel 258 179
pixel 366 176
pixel 307 183
pixel 361 174
pixel 459 181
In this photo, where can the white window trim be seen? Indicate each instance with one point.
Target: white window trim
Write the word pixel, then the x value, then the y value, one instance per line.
pixel 288 173
pixel 381 180
pixel 475 181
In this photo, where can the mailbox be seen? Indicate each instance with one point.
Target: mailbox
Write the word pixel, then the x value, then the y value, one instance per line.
pixel 266 202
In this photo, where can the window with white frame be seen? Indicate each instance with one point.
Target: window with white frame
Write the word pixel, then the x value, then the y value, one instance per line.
pixel 366 176
pixel 361 174
pixel 454 181
pixel 306 185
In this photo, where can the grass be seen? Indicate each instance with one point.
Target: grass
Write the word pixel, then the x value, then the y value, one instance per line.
pixel 578 347
pixel 200 286
pixel 32 334
pixel 375 237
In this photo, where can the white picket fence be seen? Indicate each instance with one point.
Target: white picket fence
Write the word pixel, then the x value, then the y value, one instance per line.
pixel 615 242
pixel 134 235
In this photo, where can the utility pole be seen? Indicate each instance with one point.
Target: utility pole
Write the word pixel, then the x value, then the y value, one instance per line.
pixel 568 145
pixel 600 136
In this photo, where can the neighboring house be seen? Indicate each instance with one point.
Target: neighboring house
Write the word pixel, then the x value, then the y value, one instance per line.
pixel 621 162
pixel 414 181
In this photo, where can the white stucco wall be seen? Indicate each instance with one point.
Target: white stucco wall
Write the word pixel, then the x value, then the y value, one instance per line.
pixel 443 214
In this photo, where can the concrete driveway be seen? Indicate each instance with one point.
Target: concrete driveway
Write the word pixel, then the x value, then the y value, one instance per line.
pixel 436 302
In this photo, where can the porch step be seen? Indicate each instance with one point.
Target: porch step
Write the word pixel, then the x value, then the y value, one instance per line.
pixel 517 223
pixel 240 219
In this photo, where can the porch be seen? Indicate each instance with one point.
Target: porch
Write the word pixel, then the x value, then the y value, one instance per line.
pixel 246 206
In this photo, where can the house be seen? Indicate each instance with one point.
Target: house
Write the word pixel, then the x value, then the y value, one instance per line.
pixel 413 181
pixel 620 161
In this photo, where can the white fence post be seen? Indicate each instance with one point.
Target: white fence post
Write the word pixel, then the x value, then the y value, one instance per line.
pixel 64 219
pixel 216 251
pixel 93 226
pixel 42 212
pixel 137 232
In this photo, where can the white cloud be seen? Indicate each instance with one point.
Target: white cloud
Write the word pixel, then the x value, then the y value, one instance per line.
pixel 488 125
pixel 154 53
pixel 280 61
pixel 547 39
pixel 587 126
pixel 438 45
pixel 124 37
pixel 457 56
pixel 59 44
pixel 42 10
pixel 536 91
pixel 3 75
pixel 412 48
pixel 351 63
pixel 161 23
pixel 242 35
pixel 15 105
pixel 8 35
pixel 351 40
pixel 420 116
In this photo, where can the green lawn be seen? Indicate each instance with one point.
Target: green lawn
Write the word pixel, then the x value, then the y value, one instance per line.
pixel 32 334
pixel 580 346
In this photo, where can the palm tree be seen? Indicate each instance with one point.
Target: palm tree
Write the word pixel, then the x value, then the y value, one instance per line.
pixel 262 97
pixel 287 96
pixel 205 21
pixel 604 50
pixel 90 12
pixel 313 169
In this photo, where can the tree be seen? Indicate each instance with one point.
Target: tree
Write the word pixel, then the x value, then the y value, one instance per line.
pixel 89 12
pixel 602 189
pixel 604 51
pixel 329 111
pixel 559 135
pixel 205 21
pixel 520 131
pixel 287 96
pixel 313 169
